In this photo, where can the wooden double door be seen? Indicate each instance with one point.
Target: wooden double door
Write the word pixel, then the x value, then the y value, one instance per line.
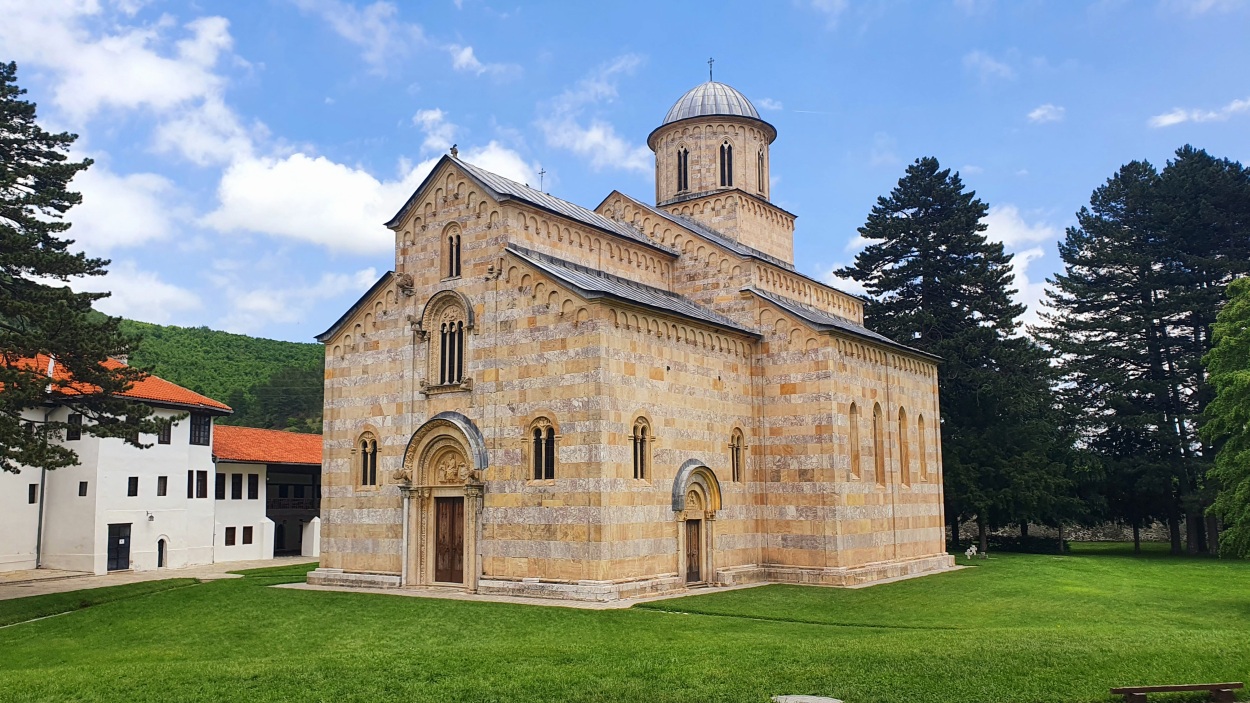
pixel 449 540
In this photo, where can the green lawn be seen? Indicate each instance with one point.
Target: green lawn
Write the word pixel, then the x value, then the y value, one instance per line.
pixel 1012 628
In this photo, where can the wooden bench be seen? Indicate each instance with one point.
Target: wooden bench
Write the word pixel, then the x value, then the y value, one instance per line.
pixel 1220 692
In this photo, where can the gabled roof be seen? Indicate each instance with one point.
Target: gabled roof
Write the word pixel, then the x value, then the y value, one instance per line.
pixel 591 284
pixel 151 389
pixel 252 445
pixel 338 324
pixel 706 232
pixel 824 322
pixel 506 189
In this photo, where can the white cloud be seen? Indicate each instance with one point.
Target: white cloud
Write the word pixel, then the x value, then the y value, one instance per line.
pixel 567 126
pixel 375 28
pixel 139 295
pixel 1005 224
pixel 971 170
pixel 254 309
pixel 1047 113
pixel 122 210
pixel 133 68
pixel 883 151
pixel 464 59
pixel 768 104
pixel 342 208
pixel 1181 115
pixel 1201 7
pixel 831 9
pixel 1028 292
pixel 986 67
pixel 846 285
pixel 439 133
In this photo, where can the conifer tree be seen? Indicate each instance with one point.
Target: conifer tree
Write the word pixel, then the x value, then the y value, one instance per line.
pixel 936 283
pixel 1228 418
pixel 1145 270
pixel 39 317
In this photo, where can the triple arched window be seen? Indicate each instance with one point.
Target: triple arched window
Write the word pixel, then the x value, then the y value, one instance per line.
pixel 726 164
pixel 451 349
pixel 642 448
pixel 683 169
pixel 736 467
pixel 368 449
pixel 543 449
pixel 453 253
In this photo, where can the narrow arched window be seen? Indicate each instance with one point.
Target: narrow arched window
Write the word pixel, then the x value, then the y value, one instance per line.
pixel 641 441
pixel 453 254
pixel 543 452
pixel 368 447
pixel 735 456
pixel 904 456
pixel 726 164
pixel 683 170
pixel 760 175
pixel 854 440
pixel 878 443
pixel 924 455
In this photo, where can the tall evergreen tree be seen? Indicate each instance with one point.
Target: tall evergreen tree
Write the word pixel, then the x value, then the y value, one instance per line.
pixel 1228 418
pixel 936 283
pixel 1145 269
pixel 37 318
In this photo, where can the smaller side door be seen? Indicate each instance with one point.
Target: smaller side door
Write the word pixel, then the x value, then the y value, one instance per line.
pixel 119 547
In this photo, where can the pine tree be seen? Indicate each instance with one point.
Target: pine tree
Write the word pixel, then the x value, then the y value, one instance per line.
pixel 38 317
pixel 936 283
pixel 1145 270
pixel 1228 418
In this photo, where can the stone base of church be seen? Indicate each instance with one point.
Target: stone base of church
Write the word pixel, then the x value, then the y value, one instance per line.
pixel 338 577
pixel 596 591
pixel 852 576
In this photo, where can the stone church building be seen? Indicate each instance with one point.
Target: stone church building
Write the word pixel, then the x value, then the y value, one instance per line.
pixel 547 400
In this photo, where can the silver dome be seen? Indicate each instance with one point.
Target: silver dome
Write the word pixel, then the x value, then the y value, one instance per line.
pixel 711 98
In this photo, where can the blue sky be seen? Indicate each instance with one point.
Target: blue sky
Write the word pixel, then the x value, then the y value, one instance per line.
pixel 247 154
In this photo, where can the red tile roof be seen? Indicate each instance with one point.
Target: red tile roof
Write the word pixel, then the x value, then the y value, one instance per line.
pixel 151 388
pixel 256 446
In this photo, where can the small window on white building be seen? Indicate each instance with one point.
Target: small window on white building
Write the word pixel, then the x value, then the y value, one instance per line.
pixel 236 486
pixel 163 436
pixel 201 484
pixel 162 485
pixel 201 429
pixel 253 486
pixel 219 488
pixel 229 536
pixel 82 488
pixel 132 486
pixel 74 431
pixel 32 493
pixel 247 534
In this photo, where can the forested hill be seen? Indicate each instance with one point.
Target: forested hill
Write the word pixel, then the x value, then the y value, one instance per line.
pixel 268 383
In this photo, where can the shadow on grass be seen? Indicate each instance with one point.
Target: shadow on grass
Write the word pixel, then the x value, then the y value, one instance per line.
pixel 19 610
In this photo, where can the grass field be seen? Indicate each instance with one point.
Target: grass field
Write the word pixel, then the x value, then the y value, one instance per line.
pixel 1011 628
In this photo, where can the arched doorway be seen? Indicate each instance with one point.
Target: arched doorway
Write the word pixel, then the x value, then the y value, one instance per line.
pixel 442 482
pixel 696 498
pixel 160 553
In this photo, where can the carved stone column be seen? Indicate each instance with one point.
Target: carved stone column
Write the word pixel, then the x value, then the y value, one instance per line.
pixel 421 524
pixel 472 518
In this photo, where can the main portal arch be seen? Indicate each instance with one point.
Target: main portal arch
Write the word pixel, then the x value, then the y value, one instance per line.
pixel 696 498
pixel 441 478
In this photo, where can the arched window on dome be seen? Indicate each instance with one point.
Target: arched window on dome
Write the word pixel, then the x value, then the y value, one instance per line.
pixel 726 164
pixel 683 169
pixel 760 175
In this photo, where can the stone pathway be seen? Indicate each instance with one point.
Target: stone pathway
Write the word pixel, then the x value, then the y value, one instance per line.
pixel 43 581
